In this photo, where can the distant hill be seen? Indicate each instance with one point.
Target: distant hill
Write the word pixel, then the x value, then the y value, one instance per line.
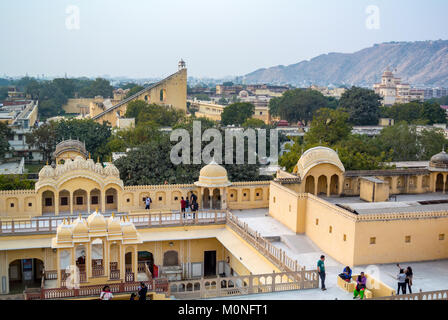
pixel 419 63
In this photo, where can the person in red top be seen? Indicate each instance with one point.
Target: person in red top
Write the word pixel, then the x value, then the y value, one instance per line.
pixel 183 204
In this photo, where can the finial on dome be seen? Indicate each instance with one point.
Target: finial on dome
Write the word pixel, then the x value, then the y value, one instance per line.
pixel 98 159
pixel 89 155
pixel 47 162
pixel 80 216
pixel 113 215
pixel 96 210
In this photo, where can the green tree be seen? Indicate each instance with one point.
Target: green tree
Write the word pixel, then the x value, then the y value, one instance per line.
pixel 237 113
pixel 254 123
pixel 298 104
pixel 202 97
pixel 402 140
pixel 94 135
pixel 430 142
pixel 160 115
pixel 415 113
pixel 362 106
pixel 44 139
pixel 15 182
pixel 134 90
pixel 328 127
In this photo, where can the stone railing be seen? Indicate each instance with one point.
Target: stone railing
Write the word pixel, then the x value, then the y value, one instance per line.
pixel 252 183
pixel 277 256
pixel 428 295
pixel 243 285
pixel 143 220
pixel 156 285
pixel 159 187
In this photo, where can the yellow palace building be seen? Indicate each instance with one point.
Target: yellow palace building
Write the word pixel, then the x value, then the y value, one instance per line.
pixel 81 228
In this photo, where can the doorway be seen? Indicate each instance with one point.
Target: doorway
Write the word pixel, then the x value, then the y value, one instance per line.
pixel 209 263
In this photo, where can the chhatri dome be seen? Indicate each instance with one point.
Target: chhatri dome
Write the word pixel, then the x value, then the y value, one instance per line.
pixel 213 175
pixel 439 162
pixel 315 156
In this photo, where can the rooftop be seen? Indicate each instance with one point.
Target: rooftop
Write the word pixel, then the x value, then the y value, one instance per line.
pixel 404 203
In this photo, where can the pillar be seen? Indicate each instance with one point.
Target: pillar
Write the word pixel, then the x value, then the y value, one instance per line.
pixel 71 202
pixel 135 262
pixel 103 201
pixel 341 184
pixel 328 186
pixel 122 261
pixel 56 203
pixel 88 201
pixel 89 260
pixel 106 257
pixel 224 199
pixel 444 183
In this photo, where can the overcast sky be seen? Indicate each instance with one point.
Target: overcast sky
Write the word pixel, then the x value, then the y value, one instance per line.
pixel 146 38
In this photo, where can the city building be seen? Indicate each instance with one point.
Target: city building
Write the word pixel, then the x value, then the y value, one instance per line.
pixel 327 92
pixel 21 117
pixel 392 90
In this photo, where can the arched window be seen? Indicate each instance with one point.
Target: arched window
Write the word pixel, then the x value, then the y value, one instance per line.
pixel 170 258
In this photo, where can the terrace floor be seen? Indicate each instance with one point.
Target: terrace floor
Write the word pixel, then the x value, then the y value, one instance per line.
pixel 428 276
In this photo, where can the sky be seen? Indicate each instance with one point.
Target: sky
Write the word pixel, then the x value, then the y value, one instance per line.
pixel 146 38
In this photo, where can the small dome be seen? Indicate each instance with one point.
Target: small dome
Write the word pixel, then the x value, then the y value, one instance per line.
pixel 96 221
pixel 213 175
pixel 46 172
pixel 99 168
pixel 128 228
pixel 439 162
pixel 64 232
pixel 113 225
pixel 315 156
pixel 111 170
pixel 80 227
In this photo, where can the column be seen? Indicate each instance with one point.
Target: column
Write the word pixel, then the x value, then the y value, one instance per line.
pixel 56 203
pixel 224 199
pixel 341 185
pixel 316 184
pixel 89 261
pixel 103 201
pixel 58 266
pixel 135 262
pixel 121 261
pixel 88 201
pixel 106 258
pixel 71 202
pixel 328 186
pixel 444 183
pixel 200 197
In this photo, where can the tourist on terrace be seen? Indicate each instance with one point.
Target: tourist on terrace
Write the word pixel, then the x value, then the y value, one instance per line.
pixel 133 295
pixel 409 276
pixel 361 283
pixel 148 203
pixel 142 290
pixel 106 294
pixel 182 205
pixel 401 277
pixel 346 274
pixel 321 271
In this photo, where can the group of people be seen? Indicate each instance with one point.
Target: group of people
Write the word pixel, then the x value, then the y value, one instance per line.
pixel 187 205
pixel 106 294
pixel 404 279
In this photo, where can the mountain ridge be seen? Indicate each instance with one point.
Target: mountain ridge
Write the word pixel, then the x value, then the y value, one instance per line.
pixel 421 63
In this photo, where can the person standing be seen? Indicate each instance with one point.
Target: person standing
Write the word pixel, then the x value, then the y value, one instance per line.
pixel 106 294
pixel 148 203
pixel 143 289
pixel 401 277
pixel 409 275
pixel 182 206
pixel 321 271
